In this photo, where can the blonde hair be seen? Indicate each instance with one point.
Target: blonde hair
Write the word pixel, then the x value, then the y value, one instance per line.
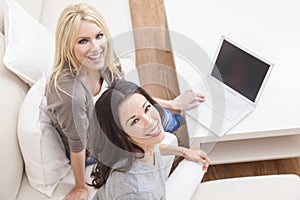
pixel 66 32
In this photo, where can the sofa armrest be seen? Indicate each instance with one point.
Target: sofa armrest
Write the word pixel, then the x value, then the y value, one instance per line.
pixel 170 139
pixel 184 180
pixel 275 187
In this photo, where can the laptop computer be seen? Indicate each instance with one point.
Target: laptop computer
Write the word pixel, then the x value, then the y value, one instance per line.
pixel 232 87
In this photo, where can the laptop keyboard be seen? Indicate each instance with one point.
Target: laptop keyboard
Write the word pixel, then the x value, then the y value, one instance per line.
pixel 224 103
pixel 229 109
pixel 232 110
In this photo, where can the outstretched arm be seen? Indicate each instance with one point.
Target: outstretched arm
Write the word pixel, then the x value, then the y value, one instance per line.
pixel 186 101
pixel 189 154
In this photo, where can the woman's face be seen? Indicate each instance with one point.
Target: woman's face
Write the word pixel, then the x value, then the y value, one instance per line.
pixel 90 46
pixel 141 121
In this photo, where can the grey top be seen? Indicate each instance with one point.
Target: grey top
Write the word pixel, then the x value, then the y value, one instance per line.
pixel 72 112
pixel 142 182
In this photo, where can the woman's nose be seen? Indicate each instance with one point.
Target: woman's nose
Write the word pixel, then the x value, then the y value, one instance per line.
pixel 147 120
pixel 96 45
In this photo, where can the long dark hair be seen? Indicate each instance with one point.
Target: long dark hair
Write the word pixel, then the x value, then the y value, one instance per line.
pixel 113 144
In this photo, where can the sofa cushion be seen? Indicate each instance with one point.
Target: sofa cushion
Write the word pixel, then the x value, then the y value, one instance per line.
pixel 275 187
pixel 63 188
pixel 33 7
pixel 2 17
pixel 29 46
pixel 43 152
pixel 12 93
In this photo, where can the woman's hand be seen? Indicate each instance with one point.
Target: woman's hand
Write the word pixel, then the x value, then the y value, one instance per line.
pixel 188 100
pixel 198 156
pixel 77 194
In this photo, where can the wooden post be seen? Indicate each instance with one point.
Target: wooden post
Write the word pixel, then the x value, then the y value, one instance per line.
pixel 154 59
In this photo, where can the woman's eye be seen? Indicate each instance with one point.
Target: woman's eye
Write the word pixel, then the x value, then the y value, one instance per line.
pixel 99 36
pixel 147 108
pixel 83 41
pixel 134 122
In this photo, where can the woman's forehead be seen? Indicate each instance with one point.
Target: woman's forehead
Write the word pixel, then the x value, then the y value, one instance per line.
pixel 131 104
pixel 136 99
pixel 88 27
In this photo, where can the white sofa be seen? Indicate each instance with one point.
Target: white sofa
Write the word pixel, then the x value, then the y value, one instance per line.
pixel 184 182
pixel 14 182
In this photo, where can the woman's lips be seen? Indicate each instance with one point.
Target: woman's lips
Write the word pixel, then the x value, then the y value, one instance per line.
pixel 158 133
pixel 155 132
pixel 96 57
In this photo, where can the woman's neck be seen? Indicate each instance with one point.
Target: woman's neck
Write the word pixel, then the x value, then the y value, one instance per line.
pixel 92 80
pixel 148 158
pixel 148 155
pixel 98 88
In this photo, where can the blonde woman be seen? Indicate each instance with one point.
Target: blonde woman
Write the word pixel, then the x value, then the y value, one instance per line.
pixel 84 59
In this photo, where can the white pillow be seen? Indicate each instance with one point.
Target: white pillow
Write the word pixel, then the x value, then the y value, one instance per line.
pixel 1 17
pixel 43 151
pixel 29 45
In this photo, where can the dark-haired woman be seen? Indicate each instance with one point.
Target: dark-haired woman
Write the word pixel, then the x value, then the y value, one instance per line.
pixel 129 161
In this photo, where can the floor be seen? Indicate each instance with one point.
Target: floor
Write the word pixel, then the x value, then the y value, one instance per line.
pixel 281 166
pixel 150 13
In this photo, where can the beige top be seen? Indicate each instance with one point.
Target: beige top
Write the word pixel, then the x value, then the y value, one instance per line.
pixel 72 112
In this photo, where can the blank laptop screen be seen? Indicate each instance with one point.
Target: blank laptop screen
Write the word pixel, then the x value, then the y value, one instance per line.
pixel 240 70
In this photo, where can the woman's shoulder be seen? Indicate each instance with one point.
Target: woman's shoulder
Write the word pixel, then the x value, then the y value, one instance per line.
pixel 67 94
pixel 67 86
pixel 119 172
pixel 134 185
pixel 123 187
pixel 125 181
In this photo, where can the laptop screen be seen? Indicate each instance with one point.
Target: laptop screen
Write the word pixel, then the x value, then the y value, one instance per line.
pixel 240 70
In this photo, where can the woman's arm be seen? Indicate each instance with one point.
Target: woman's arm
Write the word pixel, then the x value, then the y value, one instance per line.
pixel 80 190
pixel 186 101
pixel 189 154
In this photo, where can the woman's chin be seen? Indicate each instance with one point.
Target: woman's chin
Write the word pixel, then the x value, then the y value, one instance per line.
pixel 162 135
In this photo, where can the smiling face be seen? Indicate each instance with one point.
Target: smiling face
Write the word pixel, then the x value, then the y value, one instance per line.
pixel 141 121
pixel 90 46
